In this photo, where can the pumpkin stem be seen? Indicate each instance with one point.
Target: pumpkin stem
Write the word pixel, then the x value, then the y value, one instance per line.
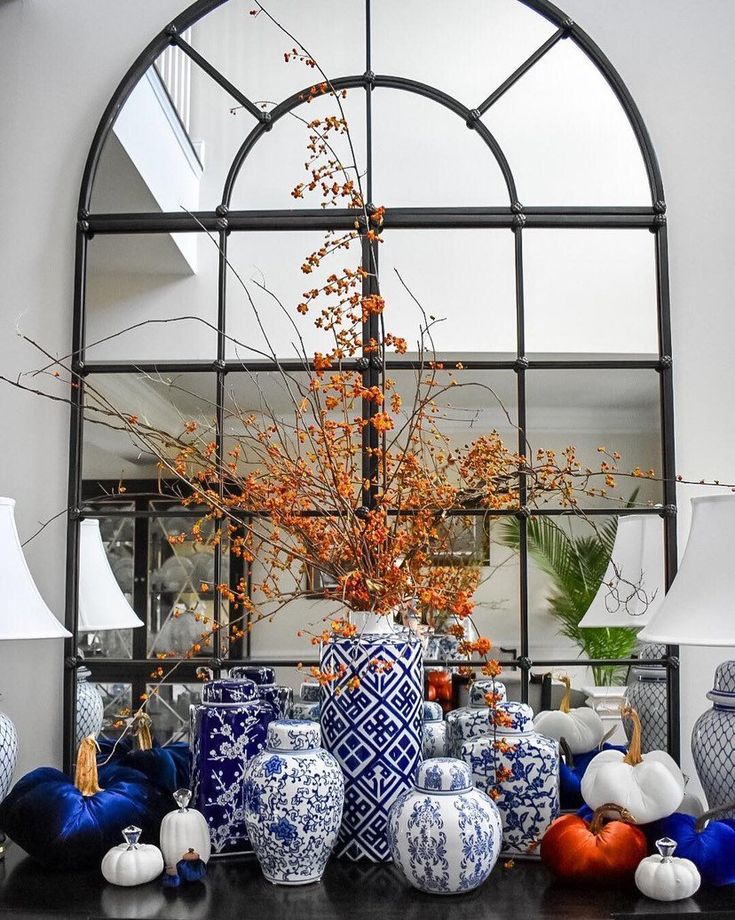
pixel 633 757
pixel 85 778
pixel 564 705
pixel 599 816
pixel 566 752
pixel 142 732
pixel 703 820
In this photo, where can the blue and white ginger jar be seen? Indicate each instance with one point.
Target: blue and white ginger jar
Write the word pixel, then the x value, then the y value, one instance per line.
pixel 528 800
pixel 90 708
pixel 445 835
pixel 228 729
pixel 474 720
pixel 264 677
pixel 713 740
pixel 435 731
pixel 8 754
pixel 294 793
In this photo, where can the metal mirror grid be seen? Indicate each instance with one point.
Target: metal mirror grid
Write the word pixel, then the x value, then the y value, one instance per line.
pixel 523 203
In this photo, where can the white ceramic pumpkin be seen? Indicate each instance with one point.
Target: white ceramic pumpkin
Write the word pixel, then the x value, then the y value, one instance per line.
pixel 183 830
pixel 132 863
pixel 582 728
pixel 665 877
pixel 649 786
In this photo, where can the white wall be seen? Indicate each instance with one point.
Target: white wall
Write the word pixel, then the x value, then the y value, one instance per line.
pixel 59 64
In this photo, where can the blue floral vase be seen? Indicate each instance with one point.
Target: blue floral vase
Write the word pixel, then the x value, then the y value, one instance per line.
pixel 294 793
pixel 474 720
pixel 435 731
pixel 374 731
pixel 713 741
pixel 228 729
pixel 445 835
pixel 527 794
pixel 264 677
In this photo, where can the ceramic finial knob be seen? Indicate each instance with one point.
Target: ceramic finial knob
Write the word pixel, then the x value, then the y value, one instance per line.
pixel 666 847
pixel 182 797
pixel 132 836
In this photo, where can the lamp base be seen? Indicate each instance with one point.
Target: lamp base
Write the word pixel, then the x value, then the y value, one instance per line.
pixel 713 740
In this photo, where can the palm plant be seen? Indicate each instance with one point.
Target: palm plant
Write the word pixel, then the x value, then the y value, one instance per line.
pixel 576 566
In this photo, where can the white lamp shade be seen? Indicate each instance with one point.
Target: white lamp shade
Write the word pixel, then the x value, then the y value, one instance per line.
pixel 102 605
pixel 23 612
pixel 699 608
pixel 638 583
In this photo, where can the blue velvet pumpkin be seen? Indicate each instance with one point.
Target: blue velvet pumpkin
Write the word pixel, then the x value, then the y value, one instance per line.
pixel 708 843
pixel 65 824
pixel 571 771
pixel 168 766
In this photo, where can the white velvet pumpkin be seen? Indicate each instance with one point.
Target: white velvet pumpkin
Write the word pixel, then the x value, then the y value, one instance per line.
pixel 132 863
pixel 184 829
pixel 649 786
pixel 665 877
pixel 582 728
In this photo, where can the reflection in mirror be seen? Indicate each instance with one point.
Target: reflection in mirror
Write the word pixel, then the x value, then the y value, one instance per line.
pixel 590 292
pixel 464 279
pixel 169 709
pixel 590 409
pixel 562 113
pixel 117 699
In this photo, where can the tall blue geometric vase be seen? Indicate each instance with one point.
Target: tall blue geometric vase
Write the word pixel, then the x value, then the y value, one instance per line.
pixel 375 731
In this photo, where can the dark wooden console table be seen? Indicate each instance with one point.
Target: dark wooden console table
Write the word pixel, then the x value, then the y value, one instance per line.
pixel 236 890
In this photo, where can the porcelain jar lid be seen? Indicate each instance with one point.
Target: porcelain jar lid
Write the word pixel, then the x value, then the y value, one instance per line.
pixel 259 673
pixel 229 691
pixel 433 711
pixel 514 718
pixel 444 774
pixel 723 691
pixel 294 735
pixel 481 687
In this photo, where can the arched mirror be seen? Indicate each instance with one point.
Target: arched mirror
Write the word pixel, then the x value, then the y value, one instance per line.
pixel 523 212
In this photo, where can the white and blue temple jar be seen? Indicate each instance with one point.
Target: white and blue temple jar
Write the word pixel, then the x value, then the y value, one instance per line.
pixel 713 740
pixel 375 730
pixel 435 730
pixel 445 835
pixel 227 730
pixel 474 720
pixel 90 708
pixel 294 793
pixel 308 705
pixel 264 678
pixel 523 769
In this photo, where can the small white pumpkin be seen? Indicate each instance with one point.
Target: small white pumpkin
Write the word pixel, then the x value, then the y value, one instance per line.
pixel 649 786
pixel 183 830
pixel 665 877
pixel 582 728
pixel 132 863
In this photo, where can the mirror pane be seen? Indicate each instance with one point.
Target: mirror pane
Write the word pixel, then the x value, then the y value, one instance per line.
pixel 436 271
pixel 117 699
pixel 588 409
pixel 590 292
pixel 169 706
pixel 563 114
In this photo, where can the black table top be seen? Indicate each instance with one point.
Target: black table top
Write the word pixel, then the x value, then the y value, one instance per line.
pixel 235 888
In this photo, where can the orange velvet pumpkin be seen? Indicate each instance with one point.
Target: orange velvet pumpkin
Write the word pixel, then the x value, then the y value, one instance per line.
pixel 598 852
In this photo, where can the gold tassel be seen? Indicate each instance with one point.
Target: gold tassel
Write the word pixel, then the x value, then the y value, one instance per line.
pixel 85 778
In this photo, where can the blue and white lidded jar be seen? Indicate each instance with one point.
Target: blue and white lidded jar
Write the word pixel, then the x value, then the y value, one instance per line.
pixel 264 677
pixel 308 705
pixel 713 740
pixel 8 755
pixel 228 729
pixel 90 708
pixel 647 693
pixel 445 835
pixel 474 720
pixel 373 731
pixel 528 798
pixel 294 794
pixel 435 730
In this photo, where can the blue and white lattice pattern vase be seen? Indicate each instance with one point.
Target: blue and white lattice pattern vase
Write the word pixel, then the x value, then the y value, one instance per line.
pixel 523 767
pixel 474 720
pixel 713 740
pixel 90 708
pixel 647 693
pixel 435 730
pixel 445 835
pixel 264 677
pixel 294 793
pixel 375 730
pixel 228 729
pixel 8 754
